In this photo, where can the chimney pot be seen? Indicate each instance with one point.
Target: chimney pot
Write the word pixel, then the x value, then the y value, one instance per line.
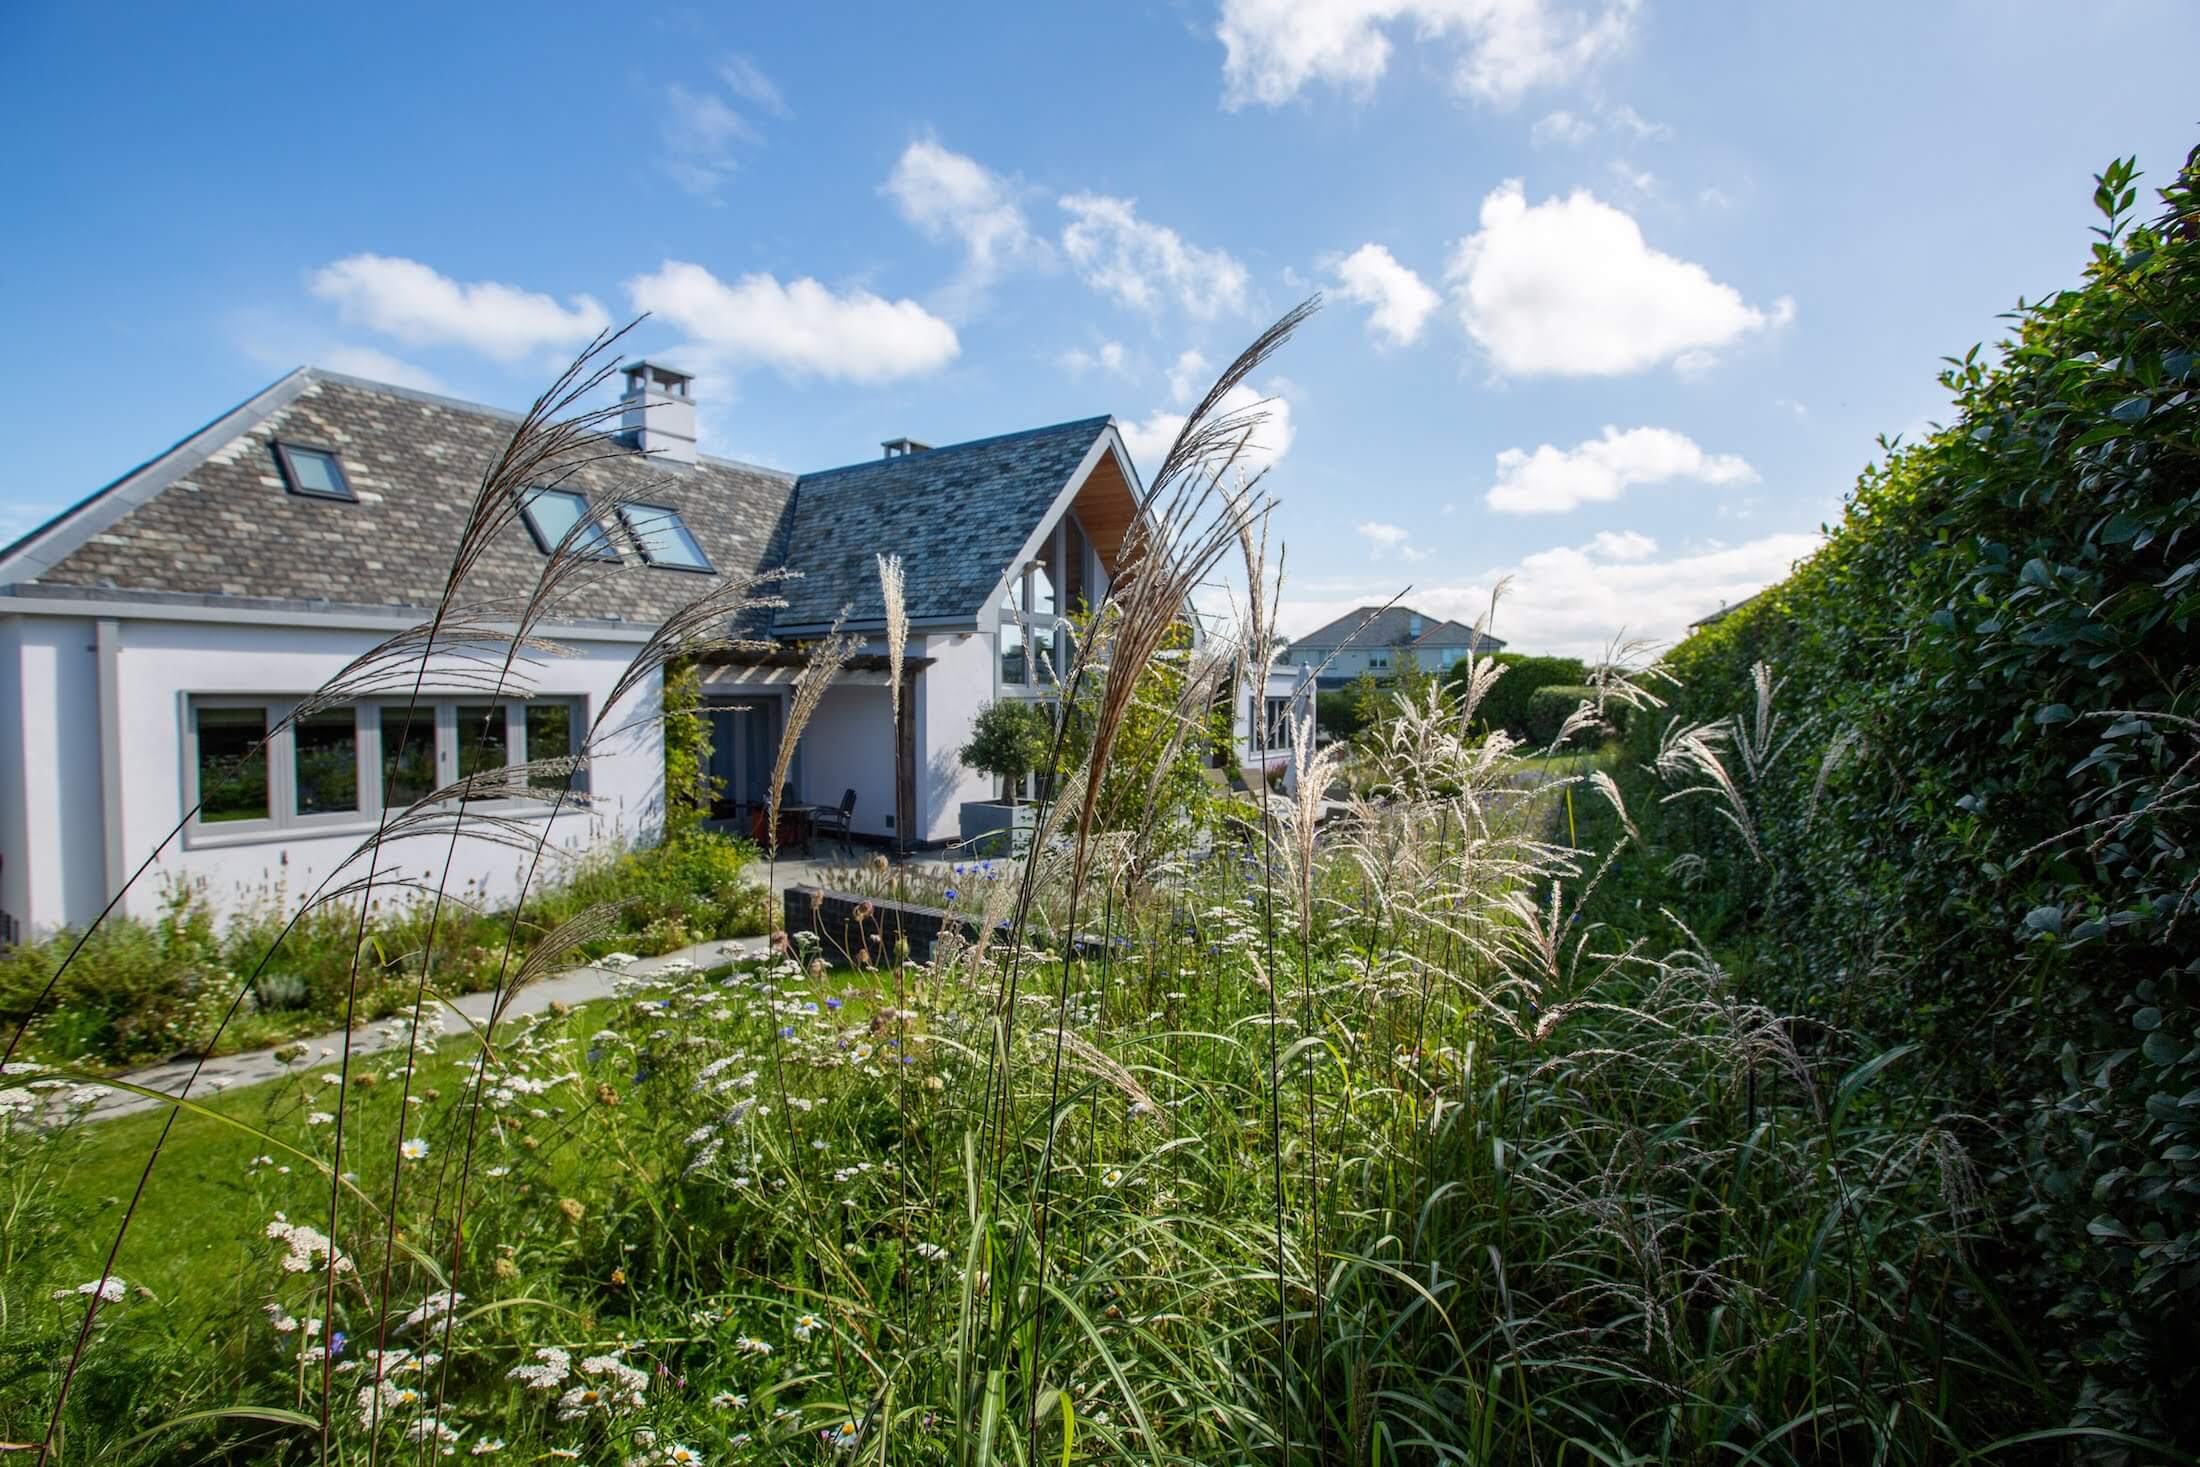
pixel 659 416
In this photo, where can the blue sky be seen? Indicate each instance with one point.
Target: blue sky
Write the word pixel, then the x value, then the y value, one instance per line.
pixel 1619 293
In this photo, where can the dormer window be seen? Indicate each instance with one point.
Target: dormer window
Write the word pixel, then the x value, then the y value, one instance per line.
pixel 313 472
pixel 551 515
pixel 663 537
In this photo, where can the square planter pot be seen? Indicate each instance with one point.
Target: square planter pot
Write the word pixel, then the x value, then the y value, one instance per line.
pixel 996 828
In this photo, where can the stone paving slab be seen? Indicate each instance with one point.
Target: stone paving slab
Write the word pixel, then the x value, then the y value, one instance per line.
pixel 250 1067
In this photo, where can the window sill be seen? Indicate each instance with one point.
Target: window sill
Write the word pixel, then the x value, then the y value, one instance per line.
pixel 215 838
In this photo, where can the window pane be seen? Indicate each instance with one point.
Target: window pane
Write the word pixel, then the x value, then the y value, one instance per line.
pixel 316 473
pixel 232 769
pixel 1045 656
pixel 1012 653
pixel 483 741
pixel 551 513
pixel 408 755
pixel 550 736
pixel 327 761
pixel 663 537
pixel 1073 563
pixel 1044 578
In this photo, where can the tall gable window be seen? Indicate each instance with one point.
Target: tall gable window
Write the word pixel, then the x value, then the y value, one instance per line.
pixel 1034 630
pixel 551 514
pixel 663 537
pixel 313 472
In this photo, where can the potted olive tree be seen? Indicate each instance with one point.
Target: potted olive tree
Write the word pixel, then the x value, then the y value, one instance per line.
pixel 1010 739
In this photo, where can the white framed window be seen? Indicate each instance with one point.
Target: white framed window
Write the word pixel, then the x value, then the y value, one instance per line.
pixel 1034 637
pixel 342 767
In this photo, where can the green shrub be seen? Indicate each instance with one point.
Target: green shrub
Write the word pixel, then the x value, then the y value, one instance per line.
pixel 1973 825
pixel 1009 739
pixel 1506 705
pixel 142 991
pixel 1549 708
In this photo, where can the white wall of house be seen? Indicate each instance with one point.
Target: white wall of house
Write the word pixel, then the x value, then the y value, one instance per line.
pixel 849 744
pixel 74 833
pixel 949 694
pixel 52 859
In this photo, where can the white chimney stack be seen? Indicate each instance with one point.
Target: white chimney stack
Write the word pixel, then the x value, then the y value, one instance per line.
pixel 660 411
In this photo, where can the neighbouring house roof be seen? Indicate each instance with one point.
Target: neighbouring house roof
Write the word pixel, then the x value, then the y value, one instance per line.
pixel 210 519
pixel 1393 627
pixel 956 515
pixel 1723 612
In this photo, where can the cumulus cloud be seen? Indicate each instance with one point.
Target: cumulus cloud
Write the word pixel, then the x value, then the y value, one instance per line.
pixel 1400 302
pixel 1108 356
pixel 1188 376
pixel 415 304
pixel 1149 441
pixel 1569 287
pixel 1551 479
pixel 1382 536
pixel 1144 264
pixel 949 195
pixel 1500 49
pixel 1571 600
pixel 801 328
pixel 746 80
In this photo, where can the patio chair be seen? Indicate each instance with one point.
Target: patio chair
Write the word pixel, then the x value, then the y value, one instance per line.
pixel 835 822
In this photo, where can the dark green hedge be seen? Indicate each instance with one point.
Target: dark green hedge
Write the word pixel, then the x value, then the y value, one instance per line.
pixel 1549 708
pixel 1506 705
pixel 1981 832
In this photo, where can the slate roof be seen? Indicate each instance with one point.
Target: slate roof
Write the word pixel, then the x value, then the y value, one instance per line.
pixel 211 519
pixel 219 522
pixel 957 516
pixel 1391 627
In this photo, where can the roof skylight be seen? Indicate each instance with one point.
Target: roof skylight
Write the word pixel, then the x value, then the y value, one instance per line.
pixel 551 515
pixel 663 537
pixel 313 472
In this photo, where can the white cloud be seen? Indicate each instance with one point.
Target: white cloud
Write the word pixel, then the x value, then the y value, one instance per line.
pixel 377 366
pixel 1551 479
pixel 1571 600
pixel 801 328
pixel 1623 545
pixel 1401 302
pixel 700 131
pixel 1562 128
pixel 415 304
pixel 1502 49
pixel 1149 441
pixel 1109 356
pixel 1638 125
pixel 1142 263
pixel 1188 378
pixel 948 194
pixel 1382 536
pixel 746 80
pixel 1570 287
pixel 1640 180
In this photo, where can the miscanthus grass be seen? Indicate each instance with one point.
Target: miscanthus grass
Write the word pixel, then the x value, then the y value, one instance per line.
pixel 1319 1130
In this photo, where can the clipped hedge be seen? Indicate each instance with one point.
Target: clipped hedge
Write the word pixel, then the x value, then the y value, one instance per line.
pixel 1505 706
pixel 1549 708
pixel 1976 827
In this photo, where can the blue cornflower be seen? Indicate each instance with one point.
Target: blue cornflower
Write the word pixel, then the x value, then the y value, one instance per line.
pixel 951 893
pixel 786 1031
pixel 833 1003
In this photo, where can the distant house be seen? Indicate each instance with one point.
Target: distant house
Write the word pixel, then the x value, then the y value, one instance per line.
pixel 1723 612
pixel 154 635
pixel 1378 640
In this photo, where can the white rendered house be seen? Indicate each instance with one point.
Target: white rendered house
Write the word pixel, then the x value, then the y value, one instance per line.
pixel 152 636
